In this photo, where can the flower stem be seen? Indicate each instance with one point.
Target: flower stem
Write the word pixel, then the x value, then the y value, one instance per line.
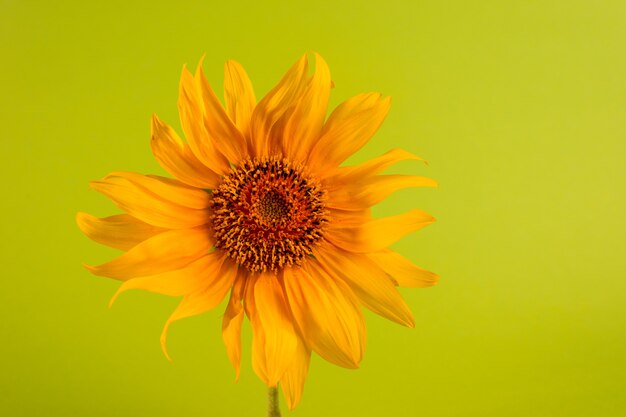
pixel 272 402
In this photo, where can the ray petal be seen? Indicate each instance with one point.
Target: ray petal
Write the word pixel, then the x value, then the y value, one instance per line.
pixel 294 377
pixel 191 110
pixel 370 191
pixel 377 234
pixel 164 252
pixel 369 282
pixel 274 339
pixel 327 314
pixel 145 204
pixel 239 95
pixel 273 106
pixel 402 271
pixel 347 129
pixel 233 318
pixel 219 279
pixel 178 159
pixel 121 231
pixel 349 217
pixel 167 188
pixel 174 283
pixel 305 123
pixel 223 133
pixel 346 175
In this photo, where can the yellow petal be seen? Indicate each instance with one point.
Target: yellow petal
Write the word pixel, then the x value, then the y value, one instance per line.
pixel 177 157
pixel 327 314
pixel 377 234
pixel 233 318
pixel 276 136
pixel 294 377
pixel 224 134
pixel 305 123
pixel 191 110
pixel 273 338
pixel 348 108
pixel 120 231
pixel 369 283
pixel 238 95
pixel 167 188
pixel 174 283
pixel 258 335
pixel 348 128
pixel 156 209
pixel 272 107
pixel 372 190
pixel 349 217
pixel 164 252
pixel 402 271
pixel 219 279
pixel 346 175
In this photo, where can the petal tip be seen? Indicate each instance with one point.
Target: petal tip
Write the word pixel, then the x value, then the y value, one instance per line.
pixel 230 64
pixel 435 279
pixel 82 219
pixel 117 294
pixel 155 122
pixel 164 344
pixel 92 269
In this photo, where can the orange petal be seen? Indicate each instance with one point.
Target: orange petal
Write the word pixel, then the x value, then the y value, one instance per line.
pixel 372 190
pixel 276 137
pixel 377 234
pixel 305 123
pixel 174 283
pixel 369 283
pixel 294 377
pixel 233 318
pixel 327 314
pixel 273 338
pixel 155 206
pixel 224 134
pixel 167 188
pixel 120 231
pixel 177 157
pixel 219 279
pixel 402 271
pixel 191 110
pixel 272 107
pixel 239 95
pixel 164 252
pixel 349 217
pixel 347 129
pixel 346 175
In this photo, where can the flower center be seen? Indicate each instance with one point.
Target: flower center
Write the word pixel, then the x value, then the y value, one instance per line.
pixel 267 215
pixel 273 207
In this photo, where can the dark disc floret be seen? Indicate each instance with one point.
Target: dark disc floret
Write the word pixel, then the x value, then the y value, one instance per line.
pixel 267 215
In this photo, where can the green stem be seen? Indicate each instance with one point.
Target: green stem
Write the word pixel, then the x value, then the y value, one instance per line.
pixel 272 402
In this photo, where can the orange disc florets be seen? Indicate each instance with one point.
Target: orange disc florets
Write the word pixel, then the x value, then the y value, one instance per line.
pixel 266 214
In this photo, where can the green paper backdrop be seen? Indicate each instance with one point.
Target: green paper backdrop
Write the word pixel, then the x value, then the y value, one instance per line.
pixel 520 107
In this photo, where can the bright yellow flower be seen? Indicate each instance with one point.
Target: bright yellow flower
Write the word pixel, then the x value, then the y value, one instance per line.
pixel 262 208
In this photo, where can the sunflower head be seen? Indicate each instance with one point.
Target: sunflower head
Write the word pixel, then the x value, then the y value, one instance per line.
pixel 261 208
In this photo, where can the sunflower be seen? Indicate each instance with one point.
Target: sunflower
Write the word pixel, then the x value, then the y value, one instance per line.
pixel 261 208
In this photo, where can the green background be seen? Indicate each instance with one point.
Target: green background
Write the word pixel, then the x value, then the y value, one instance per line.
pixel 518 106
